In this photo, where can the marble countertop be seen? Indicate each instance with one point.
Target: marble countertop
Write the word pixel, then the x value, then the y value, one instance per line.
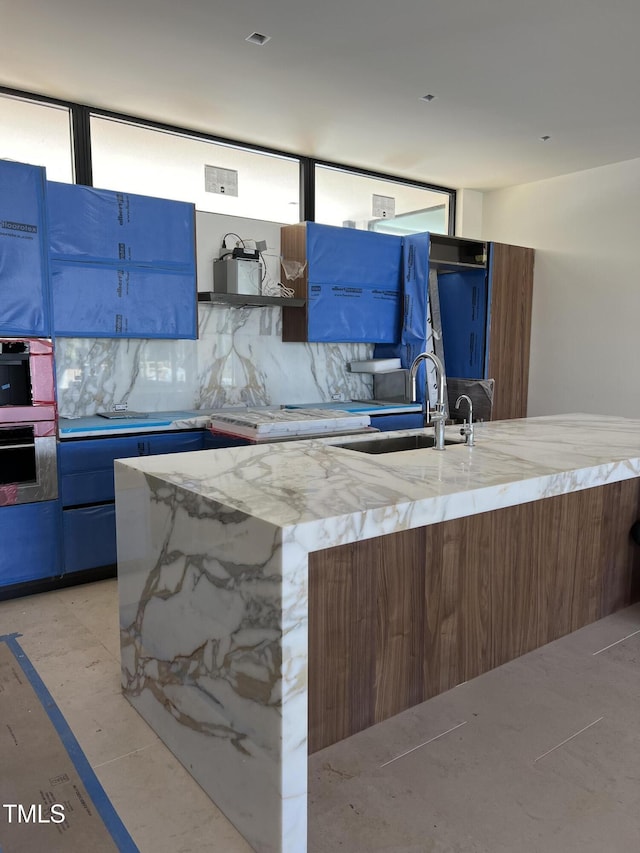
pixel 340 495
pixel 94 426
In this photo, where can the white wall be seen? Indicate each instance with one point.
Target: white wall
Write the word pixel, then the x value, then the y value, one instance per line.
pixel 585 343
pixel 469 208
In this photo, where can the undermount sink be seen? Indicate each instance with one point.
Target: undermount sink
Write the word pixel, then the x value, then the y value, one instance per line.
pixel 394 444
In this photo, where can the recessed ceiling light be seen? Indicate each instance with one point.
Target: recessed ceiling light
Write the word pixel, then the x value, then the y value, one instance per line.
pixel 428 98
pixel 258 38
pixel 545 139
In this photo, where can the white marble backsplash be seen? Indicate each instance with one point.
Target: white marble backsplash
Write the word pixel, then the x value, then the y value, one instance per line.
pixel 239 359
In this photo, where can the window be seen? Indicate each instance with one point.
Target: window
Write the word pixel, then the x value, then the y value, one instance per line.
pixel 370 203
pixel 164 163
pixel 37 133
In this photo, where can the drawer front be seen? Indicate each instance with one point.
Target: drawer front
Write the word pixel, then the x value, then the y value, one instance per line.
pixel 89 536
pixel 86 467
pixel 23 555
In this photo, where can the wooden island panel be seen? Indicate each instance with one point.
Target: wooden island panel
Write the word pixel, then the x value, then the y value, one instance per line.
pixel 397 619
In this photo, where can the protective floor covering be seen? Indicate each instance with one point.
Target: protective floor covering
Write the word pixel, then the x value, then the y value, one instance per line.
pixel 50 798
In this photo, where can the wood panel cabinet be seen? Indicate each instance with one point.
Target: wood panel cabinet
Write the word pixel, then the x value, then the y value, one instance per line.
pixel 350 280
pixel 509 332
pixel 486 293
pixel 397 619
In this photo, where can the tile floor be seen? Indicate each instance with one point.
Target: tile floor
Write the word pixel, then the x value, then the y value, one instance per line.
pixel 539 756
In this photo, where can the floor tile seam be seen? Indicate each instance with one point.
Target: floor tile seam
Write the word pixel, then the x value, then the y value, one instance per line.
pixel 124 755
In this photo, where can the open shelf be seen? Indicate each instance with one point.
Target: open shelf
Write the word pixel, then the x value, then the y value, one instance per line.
pixel 243 300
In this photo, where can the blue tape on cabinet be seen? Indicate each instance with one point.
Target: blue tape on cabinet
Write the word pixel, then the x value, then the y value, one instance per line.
pixel 89 537
pixel 122 301
pixel 24 309
pixel 30 542
pixel 86 224
pixel 463 310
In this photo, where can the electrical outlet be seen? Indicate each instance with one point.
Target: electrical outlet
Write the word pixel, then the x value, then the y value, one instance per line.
pixel 337 398
pixel 120 407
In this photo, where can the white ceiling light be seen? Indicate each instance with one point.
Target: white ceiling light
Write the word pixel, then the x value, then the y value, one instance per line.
pixel 258 38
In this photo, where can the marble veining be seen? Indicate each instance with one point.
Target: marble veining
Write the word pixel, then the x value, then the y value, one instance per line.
pixel 213 557
pixel 239 359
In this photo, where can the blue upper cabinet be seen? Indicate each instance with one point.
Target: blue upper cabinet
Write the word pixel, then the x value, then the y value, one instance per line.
pixel 350 279
pixel 108 301
pixel 24 291
pixel 122 265
pixel 102 226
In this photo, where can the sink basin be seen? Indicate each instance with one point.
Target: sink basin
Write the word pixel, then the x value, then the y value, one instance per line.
pixel 393 444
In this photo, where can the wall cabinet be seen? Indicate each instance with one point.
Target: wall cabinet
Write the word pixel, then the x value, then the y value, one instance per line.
pixel 24 276
pixel 350 279
pixel 122 265
pixel 358 290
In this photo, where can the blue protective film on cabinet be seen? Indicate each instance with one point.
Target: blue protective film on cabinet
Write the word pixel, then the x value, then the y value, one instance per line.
pixel 30 542
pixel 353 284
pixel 127 301
pixel 86 224
pixel 463 309
pixel 342 312
pixel 415 299
pixel 23 251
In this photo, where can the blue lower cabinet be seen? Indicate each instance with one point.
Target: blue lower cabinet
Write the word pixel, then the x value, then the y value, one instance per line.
pixel 88 494
pixel 89 537
pixel 30 542
pixel 86 466
pixel 414 420
pixel 211 441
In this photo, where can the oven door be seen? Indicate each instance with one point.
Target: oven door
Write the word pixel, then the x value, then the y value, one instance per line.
pixel 28 471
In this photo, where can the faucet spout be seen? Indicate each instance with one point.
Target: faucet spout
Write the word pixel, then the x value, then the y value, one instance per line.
pixel 439 415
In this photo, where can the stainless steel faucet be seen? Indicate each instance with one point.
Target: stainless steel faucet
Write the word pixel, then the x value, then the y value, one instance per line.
pixel 467 429
pixel 438 416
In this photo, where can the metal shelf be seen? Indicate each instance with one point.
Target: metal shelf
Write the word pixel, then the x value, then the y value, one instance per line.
pixel 242 300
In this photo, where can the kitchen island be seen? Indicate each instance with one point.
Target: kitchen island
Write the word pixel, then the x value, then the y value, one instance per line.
pixel 277 598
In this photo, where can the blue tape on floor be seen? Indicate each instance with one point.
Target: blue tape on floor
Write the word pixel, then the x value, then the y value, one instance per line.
pixel 109 816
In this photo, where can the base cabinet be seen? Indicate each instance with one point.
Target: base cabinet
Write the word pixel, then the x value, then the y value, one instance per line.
pixel 31 542
pixel 89 535
pixel 87 489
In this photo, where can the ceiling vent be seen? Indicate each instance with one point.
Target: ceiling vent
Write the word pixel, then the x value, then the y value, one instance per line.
pixel 258 38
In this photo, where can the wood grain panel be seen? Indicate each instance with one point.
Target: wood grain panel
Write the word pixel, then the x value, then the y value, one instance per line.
pixel 293 246
pixel 510 328
pixel 397 619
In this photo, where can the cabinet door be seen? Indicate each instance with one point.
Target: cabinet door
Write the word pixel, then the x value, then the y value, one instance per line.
pixel 107 301
pixel 24 277
pixel 510 298
pixel 86 466
pixel 351 281
pixel 23 555
pixel 89 537
pixel 86 224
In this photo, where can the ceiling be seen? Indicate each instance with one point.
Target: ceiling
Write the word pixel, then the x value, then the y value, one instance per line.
pixel 342 80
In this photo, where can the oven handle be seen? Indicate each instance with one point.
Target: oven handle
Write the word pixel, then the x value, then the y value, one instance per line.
pixel 15 446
